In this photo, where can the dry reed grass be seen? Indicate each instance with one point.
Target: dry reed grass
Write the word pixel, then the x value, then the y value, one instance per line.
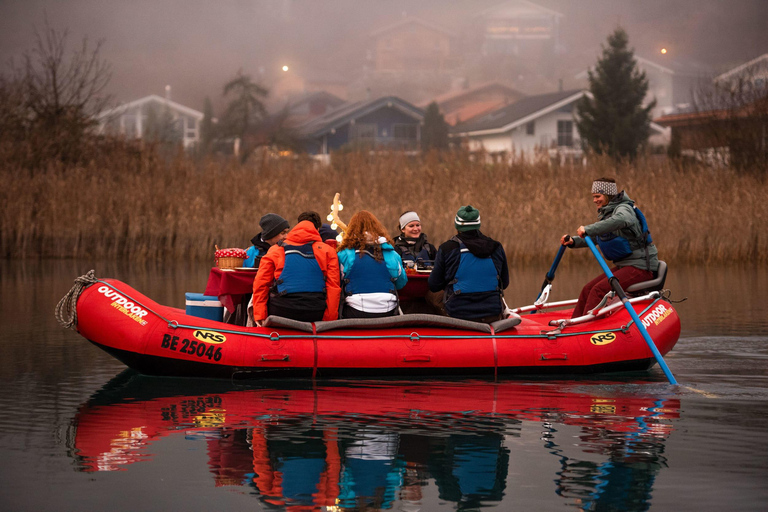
pixel 143 207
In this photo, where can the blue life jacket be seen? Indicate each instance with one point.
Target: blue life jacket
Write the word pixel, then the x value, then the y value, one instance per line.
pixel 616 247
pixel 474 275
pixel 422 255
pixel 368 275
pixel 301 271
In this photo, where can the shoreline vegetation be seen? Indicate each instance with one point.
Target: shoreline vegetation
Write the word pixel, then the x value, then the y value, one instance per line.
pixel 135 204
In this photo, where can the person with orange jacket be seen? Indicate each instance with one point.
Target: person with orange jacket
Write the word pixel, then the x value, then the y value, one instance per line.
pixel 299 277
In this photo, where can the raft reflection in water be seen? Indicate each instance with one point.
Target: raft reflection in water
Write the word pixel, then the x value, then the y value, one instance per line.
pixel 353 445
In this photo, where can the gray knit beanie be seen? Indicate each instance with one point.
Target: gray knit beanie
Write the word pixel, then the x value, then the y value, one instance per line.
pixel 271 225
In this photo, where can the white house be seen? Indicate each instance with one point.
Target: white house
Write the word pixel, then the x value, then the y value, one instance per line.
pixel 531 124
pixel 534 125
pixel 754 71
pixel 137 118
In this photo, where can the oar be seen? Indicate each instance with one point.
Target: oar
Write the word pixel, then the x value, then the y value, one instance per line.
pixel 617 288
pixel 547 284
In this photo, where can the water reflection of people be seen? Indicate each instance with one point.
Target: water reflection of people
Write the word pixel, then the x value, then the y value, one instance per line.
pixel 624 481
pixel 298 452
pixel 471 468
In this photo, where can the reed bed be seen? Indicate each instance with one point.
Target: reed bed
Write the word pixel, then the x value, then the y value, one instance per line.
pixel 140 206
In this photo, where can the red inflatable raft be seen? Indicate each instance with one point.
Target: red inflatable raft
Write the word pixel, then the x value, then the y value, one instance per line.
pixel 160 340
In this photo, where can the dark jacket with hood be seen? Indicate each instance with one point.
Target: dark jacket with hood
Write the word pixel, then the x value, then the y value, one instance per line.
pixel 413 249
pixel 255 252
pixel 447 264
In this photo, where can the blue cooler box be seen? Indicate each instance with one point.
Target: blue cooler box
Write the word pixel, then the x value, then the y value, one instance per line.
pixel 204 306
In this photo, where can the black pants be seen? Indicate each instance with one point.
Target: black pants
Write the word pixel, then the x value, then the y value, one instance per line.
pixel 304 307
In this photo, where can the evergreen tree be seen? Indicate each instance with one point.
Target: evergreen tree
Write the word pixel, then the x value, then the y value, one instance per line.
pixel 435 132
pixel 613 120
pixel 246 109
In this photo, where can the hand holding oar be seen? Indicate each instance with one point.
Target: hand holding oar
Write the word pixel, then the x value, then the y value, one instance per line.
pixel 620 292
pixel 543 295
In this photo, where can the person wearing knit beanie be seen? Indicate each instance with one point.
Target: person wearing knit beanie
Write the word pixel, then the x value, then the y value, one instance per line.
pixel 467 219
pixel 471 269
pixel 622 234
pixel 273 229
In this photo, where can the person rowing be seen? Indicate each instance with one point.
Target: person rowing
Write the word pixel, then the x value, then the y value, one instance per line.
pixel 622 234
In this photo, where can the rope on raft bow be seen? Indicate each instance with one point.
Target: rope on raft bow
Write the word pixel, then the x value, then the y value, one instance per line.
pixel 66 309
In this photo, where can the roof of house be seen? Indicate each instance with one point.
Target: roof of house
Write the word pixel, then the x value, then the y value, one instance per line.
pixel 517 8
pixel 518 113
pixel 640 60
pixel 152 98
pixel 408 21
pixel 461 94
pixel 742 67
pixel 348 112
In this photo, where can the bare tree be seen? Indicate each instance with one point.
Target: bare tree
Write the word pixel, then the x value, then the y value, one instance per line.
pixel 55 94
pixel 729 123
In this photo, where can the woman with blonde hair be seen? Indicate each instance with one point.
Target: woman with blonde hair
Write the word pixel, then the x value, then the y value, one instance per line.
pixel 371 269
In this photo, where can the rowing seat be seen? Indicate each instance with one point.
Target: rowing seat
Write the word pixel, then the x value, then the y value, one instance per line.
pixel 653 285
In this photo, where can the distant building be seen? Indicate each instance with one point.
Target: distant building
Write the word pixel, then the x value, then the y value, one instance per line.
pixel 755 72
pixel 412 44
pixel 519 27
pixel 462 105
pixel 531 124
pixel 383 123
pixel 153 116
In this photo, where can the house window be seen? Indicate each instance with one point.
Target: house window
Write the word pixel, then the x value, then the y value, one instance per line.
pixel 364 131
pixel 404 131
pixel 530 128
pixel 565 133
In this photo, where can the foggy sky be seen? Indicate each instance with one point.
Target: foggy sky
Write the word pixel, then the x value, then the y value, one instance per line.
pixel 196 45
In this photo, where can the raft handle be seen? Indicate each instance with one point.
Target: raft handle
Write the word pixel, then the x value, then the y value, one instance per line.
pixel 275 357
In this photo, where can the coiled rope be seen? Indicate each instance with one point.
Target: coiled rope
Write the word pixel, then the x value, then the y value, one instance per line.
pixel 66 309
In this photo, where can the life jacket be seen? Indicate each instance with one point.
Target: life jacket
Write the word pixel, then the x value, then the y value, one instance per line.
pixel 368 275
pixel 301 271
pixel 616 247
pixel 474 275
pixel 422 255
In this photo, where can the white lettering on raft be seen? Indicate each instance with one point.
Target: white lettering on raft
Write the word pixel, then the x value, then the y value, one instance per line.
pixel 656 316
pixel 124 305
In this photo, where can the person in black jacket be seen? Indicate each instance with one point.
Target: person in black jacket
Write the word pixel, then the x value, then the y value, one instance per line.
pixel 412 243
pixel 472 269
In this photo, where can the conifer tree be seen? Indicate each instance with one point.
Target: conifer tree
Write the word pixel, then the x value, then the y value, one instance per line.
pixel 614 120
pixel 435 132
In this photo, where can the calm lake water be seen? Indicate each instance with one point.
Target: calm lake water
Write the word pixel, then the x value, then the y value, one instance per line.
pixel 80 432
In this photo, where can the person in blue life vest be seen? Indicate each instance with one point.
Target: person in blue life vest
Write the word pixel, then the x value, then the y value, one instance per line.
pixel 622 234
pixel 412 243
pixel 274 229
pixel 298 278
pixel 371 269
pixel 472 269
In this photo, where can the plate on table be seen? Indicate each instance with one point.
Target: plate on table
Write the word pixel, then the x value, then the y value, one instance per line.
pixel 247 268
